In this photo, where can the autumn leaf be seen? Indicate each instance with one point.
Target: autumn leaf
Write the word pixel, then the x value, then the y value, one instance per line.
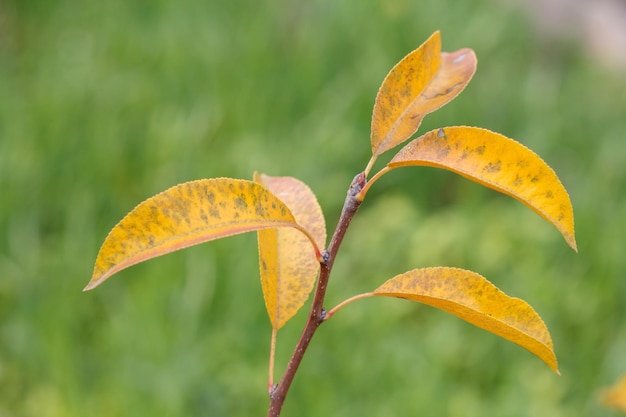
pixel 472 298
pixel 497 162
pixel 419 84
pixel 287 260
pixel 188 214
pixel 615 396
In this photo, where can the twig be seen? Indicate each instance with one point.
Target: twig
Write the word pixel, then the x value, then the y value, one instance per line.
pixel 317 313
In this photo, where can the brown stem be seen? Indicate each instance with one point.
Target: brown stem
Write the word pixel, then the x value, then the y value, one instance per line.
pixel 317 313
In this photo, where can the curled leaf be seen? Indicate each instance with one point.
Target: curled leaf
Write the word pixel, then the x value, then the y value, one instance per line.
pixel 287 261
pixel 419 84
pixel 185 215
pixel 472 298
pixel 497 162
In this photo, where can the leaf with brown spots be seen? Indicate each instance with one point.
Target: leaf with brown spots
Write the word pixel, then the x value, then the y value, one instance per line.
pixel 287 260
pixel 472 298
pixel 188 214
pixel 419 84
pixel 497 162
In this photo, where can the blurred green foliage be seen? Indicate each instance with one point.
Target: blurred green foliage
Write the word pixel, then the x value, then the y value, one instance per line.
pixel 103 104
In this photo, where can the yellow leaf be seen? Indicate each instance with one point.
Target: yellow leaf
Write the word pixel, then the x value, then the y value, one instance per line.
pixel 497 162
pixel 185 215
pixel 615 396
pixel 419 84
pixel 287 261
pixel 472 298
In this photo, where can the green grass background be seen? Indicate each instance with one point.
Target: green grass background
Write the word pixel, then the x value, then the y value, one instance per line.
pixel 103 104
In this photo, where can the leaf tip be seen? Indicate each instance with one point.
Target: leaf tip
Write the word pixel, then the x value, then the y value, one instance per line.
pixel 568 235
pixel 572 243
pixel 98 278
pixel 93 283
pixel 550 359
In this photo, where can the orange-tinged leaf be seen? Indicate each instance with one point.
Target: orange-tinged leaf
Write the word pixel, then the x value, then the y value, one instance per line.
pixel 615 396
pixel 287 261
pixel 497 162
pixel 472 298
pixel 185 215
pixel 419 84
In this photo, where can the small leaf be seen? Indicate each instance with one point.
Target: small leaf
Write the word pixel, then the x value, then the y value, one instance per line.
pixel 615 396
pixel 472 298
pixel 419 84
pixel 497 162
pixel 287 260
pixel 185 215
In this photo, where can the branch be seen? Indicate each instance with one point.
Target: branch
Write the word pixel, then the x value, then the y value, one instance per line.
pixel 317 314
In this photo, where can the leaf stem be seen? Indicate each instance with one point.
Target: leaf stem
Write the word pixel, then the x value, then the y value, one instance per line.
pixel 345 302
pixel 270 378
pixel 317 313
pixel 369 166
pixel 367 186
